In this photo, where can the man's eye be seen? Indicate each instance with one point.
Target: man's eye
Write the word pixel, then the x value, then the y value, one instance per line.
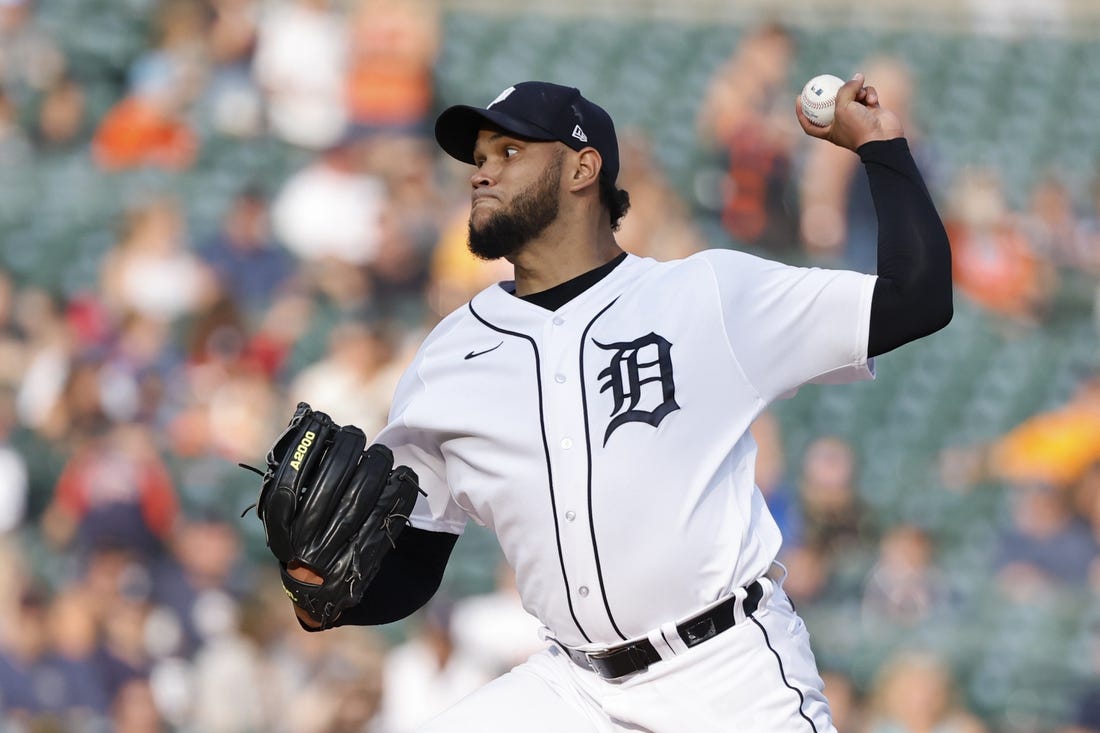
pixel 510 151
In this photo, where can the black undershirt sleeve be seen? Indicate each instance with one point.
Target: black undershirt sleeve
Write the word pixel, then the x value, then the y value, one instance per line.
pixel 409 577
pixel 912 296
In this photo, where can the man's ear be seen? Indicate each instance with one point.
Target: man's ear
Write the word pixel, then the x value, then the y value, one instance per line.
pixel 586 169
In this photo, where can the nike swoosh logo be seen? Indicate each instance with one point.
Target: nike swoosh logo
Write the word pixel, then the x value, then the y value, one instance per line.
pixel 472 354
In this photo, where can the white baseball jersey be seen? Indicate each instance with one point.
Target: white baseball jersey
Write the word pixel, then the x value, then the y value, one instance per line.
pixel 607 443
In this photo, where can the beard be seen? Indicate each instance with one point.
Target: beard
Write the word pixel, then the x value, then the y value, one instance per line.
pixel 529 214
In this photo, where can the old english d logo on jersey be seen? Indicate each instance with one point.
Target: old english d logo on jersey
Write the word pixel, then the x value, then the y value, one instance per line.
pixel 639 377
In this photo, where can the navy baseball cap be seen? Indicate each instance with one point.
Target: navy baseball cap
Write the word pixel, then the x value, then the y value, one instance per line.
pixel 533 110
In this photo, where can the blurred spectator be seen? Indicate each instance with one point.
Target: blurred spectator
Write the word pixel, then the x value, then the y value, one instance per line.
pixel 333 208
pixel 13 339
pixel 1046 547
pixel 658 224
pixel 301 63
pixel 62 117
pixel 144 130
pixel 241 409
pixel 50 673
pixel 14 478
pixel 78 410
pixel 837 217
pixel 149 126
pixel 356 377
pixel 30 59
pixel 394 45
pixel 411 222
pixel 202 577
pixel 75 658
pixel 215 337
pixel 23 647
pixel 1088 231
pixel 114 490
pixel 905 586
pixel 135 709
pixel 992 259
pixel 427 673
pixel 845 702
pixel 1056 447
pixel 746 113
pixel 250 266
pixel 832 512
pixel 46 366
pixel 133 635
pixel 15 148
pixel 144 356
pixel 916 693
pixel 324 683
pixel 272 341
pixel 834 528
pixel 151 270
pixel 232 99
pixel 175 64
pixel 228 671
pixel 1051 225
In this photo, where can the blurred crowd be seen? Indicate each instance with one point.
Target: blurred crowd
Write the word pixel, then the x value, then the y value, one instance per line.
pixel 133 595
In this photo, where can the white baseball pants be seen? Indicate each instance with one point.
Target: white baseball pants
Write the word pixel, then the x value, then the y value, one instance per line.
pixel 757 677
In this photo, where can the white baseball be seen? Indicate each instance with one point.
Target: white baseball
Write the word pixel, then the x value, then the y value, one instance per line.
pixel 819 99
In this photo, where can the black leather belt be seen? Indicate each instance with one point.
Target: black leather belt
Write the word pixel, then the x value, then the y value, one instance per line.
pixel 636 656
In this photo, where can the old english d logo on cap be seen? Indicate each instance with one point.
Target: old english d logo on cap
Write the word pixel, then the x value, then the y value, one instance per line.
pixel 501 97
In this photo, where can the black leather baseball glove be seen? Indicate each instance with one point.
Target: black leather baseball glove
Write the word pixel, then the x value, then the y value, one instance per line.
pixel 328 504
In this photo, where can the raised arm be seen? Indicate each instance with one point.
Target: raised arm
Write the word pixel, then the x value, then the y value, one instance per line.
pixel 912 296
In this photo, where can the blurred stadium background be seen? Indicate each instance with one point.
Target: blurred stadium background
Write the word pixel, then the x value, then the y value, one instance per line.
pixel 210 209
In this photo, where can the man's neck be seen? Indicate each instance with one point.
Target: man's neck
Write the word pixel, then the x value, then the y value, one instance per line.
pixel 548 262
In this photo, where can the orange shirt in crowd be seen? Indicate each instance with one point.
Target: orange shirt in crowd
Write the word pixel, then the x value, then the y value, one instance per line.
pixel 1054 448
pixel 996 269
pixel 136 133
pixel 390 80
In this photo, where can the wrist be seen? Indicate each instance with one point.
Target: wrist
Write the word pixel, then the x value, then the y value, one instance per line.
pixel 885 148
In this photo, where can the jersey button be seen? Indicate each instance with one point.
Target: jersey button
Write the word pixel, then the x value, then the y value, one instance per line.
pixel 570 515
pixel 559 378
pixel 583 590
pixel 566 443
pixel 558 320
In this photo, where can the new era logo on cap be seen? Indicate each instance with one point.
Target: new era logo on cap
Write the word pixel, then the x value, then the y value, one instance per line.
pixel 533 110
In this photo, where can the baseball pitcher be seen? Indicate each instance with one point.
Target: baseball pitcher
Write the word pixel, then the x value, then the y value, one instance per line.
pixel 594 412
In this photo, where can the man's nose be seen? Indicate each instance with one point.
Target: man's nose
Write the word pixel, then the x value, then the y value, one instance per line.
pixel 480 179
pixel 483 175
